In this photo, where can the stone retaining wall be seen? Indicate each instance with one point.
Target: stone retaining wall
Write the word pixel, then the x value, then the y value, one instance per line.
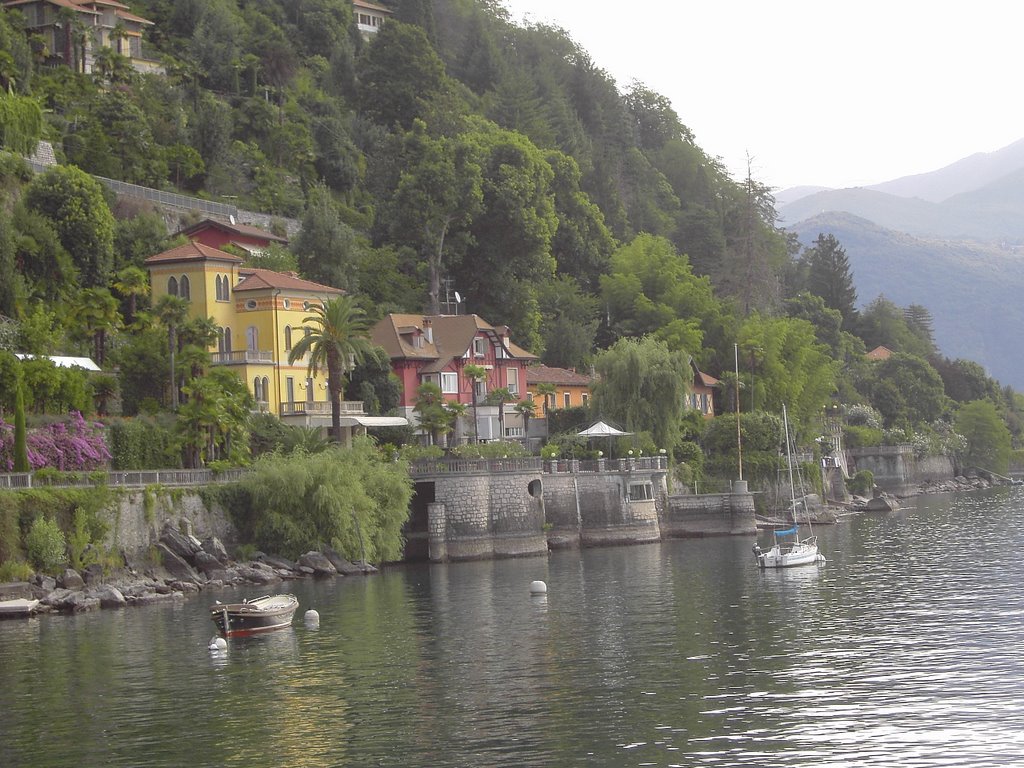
pixel 709 514
pixel 896 468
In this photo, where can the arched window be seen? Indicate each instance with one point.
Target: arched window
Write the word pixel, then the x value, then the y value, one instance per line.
pixel 184 289
pixel 227 339
pixel 257 389
pixel 252 338
pixel 266 389
pixel 220 340
pixel 219 289
pixel 172 286
pixel 287 338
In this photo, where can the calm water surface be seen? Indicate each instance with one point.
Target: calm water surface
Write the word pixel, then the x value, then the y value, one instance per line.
pixel 904 650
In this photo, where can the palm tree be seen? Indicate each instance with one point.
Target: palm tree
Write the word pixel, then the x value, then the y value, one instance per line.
pixel 132 283
pixel 172 311
pixel 104 389
pixel 525 409
pixel 547 389
pixel 96 313
pixel 337 343
pixel 499 397
pixel 476 374
pixel 431 412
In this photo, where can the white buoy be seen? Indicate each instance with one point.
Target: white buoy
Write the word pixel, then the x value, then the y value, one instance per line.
pixel 218 644
pixel 538 588
pixel 312 618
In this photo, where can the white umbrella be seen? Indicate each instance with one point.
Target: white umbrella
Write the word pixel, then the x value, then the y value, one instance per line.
pixel 600 429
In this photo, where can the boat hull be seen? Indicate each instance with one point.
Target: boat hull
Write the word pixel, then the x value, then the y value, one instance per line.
pixel 800 553
pixel 254 617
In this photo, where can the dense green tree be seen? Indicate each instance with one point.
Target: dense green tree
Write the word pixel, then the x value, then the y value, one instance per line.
pixel 20 433
pixel 651 289
pixel 398 75
pixel 132 283
pixel 906 390
pixel 440 188
pixel 326 247
pixel 374 383
pixel 338 340
pixel 883 323
pixel 988 439
pixel 73 202
pixel 569 321
pixel 10 380
pixel 21 123
pixel 787 367
pixel 829 276
pixel 40 257
pixel 827 321
pixel 643 386
pixel 142 353
pixel 965 380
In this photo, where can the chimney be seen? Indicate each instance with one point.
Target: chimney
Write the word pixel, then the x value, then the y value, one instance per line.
pixel 428 330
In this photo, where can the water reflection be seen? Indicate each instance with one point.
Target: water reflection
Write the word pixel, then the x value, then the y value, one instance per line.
pixel 899 651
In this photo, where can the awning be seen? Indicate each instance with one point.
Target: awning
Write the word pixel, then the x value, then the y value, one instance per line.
pixel 600 429
pixel 374 421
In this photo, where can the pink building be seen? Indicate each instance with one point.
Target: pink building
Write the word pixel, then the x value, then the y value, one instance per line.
pixel 437 348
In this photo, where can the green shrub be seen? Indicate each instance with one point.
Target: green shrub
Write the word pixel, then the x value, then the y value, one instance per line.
pixel 862 483
pixel 496 450
pixel 414 452
pixel 45 545
pixel 10 532
pixel 143 442
pixel 862 437
pixel 15 570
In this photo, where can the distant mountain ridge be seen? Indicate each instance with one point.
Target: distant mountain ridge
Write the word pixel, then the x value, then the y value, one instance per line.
pixel 980 198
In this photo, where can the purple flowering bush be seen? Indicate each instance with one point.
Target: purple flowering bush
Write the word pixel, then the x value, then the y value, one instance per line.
pixel 72 445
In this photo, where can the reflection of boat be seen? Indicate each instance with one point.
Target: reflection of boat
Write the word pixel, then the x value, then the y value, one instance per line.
pixel 786 552
pixel 17 608
pixel 252 617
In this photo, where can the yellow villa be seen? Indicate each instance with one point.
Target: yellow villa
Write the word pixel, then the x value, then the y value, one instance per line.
pixel 259 315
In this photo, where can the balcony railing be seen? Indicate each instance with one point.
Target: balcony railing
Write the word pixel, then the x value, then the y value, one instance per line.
pixel 242 357
pixel 321 408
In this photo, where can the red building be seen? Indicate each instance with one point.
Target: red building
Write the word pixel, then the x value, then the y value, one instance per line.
pixel 217 234
pixel 437 348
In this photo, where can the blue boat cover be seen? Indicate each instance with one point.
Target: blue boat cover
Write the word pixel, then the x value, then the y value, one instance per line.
pixel 788 531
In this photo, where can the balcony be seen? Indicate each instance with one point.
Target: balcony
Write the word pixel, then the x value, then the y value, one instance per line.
pixel 243 357
pixel 321 408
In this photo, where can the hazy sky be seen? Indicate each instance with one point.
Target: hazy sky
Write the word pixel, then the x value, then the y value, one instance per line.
pixel 817 92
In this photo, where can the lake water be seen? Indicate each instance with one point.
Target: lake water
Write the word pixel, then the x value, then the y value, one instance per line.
pixel 905 649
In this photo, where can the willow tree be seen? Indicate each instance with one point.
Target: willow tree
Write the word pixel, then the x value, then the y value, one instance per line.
pixel 353 500
pixel 21 123
pixel 643 385
pixel 337 342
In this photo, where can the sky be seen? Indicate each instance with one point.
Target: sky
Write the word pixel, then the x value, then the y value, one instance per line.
pixel 816 92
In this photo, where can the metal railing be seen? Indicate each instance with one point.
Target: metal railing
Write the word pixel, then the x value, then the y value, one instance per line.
pixel 425 467
pixel 242 357
pixel 321 408
pixel 120 479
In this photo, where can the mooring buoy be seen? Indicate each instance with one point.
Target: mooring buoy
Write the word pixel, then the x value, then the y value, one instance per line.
pixel 312 618
pixel 538 588
pixel 218 644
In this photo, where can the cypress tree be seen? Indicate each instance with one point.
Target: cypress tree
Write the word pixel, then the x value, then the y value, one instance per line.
pixel 20 434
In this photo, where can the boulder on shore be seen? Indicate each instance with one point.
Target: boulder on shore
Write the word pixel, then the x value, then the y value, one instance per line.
pixel 109 596
pixel 341 565
pixel 214 546
pixel 319 564
pixel 174 564
pixel 70 579
pixel 185 547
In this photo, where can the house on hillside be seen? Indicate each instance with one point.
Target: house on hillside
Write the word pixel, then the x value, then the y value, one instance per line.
pixel 259 316
pixel 702 394
pixel 572 389
pixel 437 348
pixel 879 353
pixel 217 234
pixel 369 17
pixel 73 31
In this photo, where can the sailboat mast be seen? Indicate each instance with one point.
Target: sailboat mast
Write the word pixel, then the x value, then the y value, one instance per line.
pixel 789 463
pixel 739 441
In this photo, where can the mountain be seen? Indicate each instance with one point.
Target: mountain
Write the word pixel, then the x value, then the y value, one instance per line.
pixel 970 173
pixel 979 197
pixel 973 290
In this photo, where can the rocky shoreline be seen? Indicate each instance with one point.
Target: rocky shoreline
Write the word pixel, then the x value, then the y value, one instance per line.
pixel 187 566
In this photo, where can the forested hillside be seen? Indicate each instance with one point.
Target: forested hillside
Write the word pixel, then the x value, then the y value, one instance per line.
pixel 452 150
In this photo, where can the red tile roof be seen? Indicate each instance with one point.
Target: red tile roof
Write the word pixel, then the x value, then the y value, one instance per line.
pixel 263 279
pixel 192 252
pixel 452 337
pixel 543 374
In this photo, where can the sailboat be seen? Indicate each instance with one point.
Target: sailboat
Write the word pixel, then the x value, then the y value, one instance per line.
pixel 788 549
